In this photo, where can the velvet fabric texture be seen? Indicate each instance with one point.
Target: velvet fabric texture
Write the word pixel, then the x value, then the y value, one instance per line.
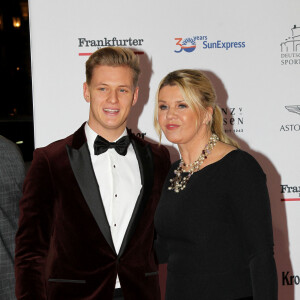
pixel 64 248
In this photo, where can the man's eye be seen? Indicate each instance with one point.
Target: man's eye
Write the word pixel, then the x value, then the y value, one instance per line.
pixel 163 107
pixel 103 89
pixel 123 90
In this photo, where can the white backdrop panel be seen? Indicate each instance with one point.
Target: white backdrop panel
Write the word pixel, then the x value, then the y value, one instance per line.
pixel 255 80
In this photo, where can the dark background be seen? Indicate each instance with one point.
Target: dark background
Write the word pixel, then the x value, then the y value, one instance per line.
pixel 16 113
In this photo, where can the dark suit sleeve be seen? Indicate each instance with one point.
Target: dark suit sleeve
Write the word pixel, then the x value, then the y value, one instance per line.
pixel 165 162
pixel 33 235
pixel 160 245
pixel 12 173
pixel 251 209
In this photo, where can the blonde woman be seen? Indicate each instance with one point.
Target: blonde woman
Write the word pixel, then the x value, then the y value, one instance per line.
pixel 213 221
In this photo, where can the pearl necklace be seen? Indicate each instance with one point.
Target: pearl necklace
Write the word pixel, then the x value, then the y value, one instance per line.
pixel 178 183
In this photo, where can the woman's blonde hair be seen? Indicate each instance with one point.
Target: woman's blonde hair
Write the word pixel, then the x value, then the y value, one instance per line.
pixel 199 94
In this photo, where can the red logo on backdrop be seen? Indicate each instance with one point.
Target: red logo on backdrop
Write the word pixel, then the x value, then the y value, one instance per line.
pixel 289 190
pixel 188 44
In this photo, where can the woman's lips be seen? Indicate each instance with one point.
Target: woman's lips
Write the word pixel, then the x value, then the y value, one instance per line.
pixel 172 126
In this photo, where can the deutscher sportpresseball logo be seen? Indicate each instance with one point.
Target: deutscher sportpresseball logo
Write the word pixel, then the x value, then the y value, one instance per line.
pixel 290 48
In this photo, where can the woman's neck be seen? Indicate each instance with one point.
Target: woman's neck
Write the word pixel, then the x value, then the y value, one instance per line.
pixel 191 151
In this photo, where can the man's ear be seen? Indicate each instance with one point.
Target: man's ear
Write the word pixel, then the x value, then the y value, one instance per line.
pixel 86 92
pixel 135 96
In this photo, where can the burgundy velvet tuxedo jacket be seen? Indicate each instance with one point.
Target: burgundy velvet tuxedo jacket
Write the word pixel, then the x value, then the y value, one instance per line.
pixel 64 248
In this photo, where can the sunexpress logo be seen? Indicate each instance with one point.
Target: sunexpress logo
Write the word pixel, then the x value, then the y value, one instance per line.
pixel 190 44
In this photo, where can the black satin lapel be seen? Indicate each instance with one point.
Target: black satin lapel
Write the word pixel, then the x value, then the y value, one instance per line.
pixel 83 170
pixel 145 160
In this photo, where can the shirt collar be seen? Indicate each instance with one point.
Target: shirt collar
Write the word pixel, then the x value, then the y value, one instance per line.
pixel 91 136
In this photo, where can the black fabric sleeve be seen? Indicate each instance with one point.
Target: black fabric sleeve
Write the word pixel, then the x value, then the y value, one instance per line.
pixel 161 250
pixel 250 205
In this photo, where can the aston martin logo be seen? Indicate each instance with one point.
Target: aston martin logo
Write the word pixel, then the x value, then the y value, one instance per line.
pixel 293 108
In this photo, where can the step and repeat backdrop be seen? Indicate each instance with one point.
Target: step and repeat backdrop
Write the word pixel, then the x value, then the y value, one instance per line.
pixel 249 49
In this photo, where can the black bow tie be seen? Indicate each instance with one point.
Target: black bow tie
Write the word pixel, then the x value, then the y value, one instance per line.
pixel 101 145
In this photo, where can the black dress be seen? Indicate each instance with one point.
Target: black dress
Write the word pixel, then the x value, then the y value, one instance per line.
pixel 216 235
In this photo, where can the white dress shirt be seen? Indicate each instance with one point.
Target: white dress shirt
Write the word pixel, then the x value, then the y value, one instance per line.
pixel 119 182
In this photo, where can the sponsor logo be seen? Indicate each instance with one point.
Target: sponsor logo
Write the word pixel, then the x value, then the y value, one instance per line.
pixel 138 134
pixel 288 279
pixel 233 120
pixel 87 46
pixel 290 48
pixel 295 109
pixel 290 127
pixel 290 192
pixel 141 135
pixel 187 44
pixel 201 42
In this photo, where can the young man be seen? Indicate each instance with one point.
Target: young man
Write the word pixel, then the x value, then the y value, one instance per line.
pixel 86 224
